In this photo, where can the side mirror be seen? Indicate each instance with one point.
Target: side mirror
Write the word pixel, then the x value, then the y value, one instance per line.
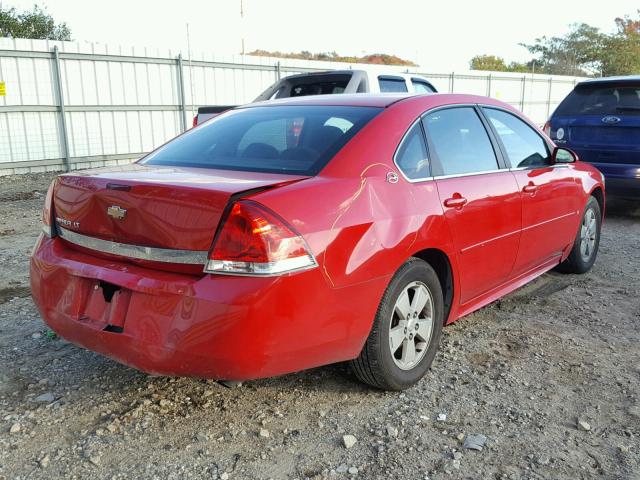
pixel 563 155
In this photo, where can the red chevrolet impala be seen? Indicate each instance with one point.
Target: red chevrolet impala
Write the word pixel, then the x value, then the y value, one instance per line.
pixel 290 234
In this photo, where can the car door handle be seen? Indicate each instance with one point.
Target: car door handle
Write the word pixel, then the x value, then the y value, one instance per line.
pixel 531 188
pixel 455 202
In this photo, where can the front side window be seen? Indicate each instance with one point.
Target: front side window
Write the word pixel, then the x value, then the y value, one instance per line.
pixel 392 84
pixel 524 147
pixel 412 156
pixel 460 142
pixel 297 140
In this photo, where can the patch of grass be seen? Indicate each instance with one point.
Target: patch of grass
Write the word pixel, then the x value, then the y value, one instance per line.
pixel 50 335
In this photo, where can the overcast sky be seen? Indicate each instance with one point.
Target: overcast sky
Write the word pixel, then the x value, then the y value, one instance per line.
pixel 439 35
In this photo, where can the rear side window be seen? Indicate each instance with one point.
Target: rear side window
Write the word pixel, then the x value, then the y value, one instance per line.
pixel 285 139
pixel 277 94
pixel 420 86
pixel 524 147
pixel 460 142
pixel 412 156
pixel 392 84
pixel 601 100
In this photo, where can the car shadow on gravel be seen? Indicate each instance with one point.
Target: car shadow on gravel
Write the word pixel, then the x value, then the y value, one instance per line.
pixel 76 367
pixel 624 208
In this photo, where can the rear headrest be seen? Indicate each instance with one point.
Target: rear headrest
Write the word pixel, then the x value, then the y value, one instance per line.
pixel 607 99
pixel 629 98
pixel 260 150
pixel 324 137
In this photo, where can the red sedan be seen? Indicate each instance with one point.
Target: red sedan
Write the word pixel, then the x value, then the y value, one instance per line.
pixel 286 235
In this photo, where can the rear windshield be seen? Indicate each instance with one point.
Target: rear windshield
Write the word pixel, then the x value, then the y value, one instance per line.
pixel 299 140
pixel 318 88
pixel 601 100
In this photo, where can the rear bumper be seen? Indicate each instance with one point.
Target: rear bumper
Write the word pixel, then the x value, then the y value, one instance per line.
pixel 223 327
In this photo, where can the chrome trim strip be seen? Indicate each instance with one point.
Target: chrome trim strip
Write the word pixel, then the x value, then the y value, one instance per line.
pixel 469 174
pixel 139 252
pixel 517 169
pixel 538 167
pixel 415 180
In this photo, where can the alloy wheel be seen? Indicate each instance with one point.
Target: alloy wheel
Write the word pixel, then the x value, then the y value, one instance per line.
pixel 411 325
pixel 588 234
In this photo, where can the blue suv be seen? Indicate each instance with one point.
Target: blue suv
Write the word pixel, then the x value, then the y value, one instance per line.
pixel 600 121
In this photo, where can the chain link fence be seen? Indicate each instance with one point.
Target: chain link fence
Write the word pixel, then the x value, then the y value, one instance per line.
pixel 66 105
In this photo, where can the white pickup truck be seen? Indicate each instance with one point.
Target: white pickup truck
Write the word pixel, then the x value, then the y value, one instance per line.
pixel 332 81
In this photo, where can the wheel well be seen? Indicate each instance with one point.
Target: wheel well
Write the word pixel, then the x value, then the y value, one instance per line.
pixel 599 196
pixel 440 263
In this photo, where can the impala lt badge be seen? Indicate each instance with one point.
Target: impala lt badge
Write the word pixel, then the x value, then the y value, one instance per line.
pixel 610 119
pixel 116 212
pixel 67 223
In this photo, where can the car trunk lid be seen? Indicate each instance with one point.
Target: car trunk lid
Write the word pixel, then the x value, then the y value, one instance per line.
pixel 157 207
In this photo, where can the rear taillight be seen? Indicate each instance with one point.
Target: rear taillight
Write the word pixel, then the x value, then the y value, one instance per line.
pixel 195 121
pixel 255 241
pixel 48 225
pixel 547 128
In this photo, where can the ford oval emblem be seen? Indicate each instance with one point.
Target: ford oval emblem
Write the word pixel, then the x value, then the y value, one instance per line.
pixel 610 119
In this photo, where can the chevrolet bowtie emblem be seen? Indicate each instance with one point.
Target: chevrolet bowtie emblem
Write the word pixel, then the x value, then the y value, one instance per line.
pixel 116 212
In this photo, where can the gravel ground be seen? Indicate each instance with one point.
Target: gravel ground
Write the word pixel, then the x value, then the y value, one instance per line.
pixel 548 376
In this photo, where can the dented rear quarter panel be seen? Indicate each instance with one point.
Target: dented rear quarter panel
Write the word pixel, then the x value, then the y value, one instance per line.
pixel 359 226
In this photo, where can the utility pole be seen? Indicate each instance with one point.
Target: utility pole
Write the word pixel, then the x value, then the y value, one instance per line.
pixel 190 69
pixel 533 72
pixel 242 23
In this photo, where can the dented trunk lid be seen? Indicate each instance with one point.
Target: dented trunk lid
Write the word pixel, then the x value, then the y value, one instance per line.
pixel 161 207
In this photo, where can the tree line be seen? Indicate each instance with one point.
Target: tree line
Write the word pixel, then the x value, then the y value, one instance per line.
pixel 35 23
pixel 583 51
pixel 38 24
pixel 374 58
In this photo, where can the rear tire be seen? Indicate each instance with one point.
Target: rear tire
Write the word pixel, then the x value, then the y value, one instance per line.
pixel 585 247
pixel 406 330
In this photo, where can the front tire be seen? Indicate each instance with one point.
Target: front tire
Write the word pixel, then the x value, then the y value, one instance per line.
pixel 406 330
pixel 585 246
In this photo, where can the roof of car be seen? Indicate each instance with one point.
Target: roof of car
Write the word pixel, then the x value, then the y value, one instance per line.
pixel 373 69
pixel 619 79
pixel 380 100
pixel 320 72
